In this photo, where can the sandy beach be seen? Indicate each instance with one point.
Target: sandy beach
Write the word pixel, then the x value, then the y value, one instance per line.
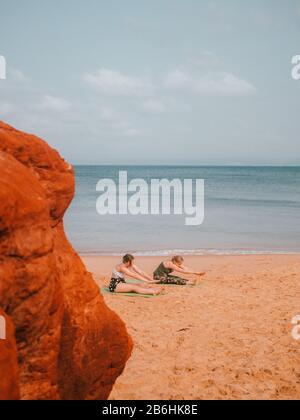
pixel 227 338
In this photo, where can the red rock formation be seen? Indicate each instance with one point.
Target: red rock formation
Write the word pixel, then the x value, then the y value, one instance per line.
pixel 70 345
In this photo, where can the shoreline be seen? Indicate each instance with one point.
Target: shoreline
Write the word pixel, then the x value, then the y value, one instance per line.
pixel 167 253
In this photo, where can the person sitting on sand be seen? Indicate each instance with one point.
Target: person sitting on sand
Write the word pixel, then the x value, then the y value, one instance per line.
pixel 129 269
pixel 163 273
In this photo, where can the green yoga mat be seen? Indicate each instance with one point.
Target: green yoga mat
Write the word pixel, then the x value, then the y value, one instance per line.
pixel 158 284
pixel 106 291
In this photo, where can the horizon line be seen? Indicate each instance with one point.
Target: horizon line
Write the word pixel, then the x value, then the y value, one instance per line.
pixel 239 165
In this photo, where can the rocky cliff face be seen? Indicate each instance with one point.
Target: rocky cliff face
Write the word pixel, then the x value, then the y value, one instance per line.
pixel 69 344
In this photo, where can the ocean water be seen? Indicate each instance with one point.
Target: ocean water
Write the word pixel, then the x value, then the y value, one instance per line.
pixel 247 210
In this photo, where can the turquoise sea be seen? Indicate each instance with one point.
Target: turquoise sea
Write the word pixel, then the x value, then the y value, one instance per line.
pixel 247 210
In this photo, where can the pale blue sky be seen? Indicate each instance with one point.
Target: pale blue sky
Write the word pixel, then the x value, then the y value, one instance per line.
pixel 161 81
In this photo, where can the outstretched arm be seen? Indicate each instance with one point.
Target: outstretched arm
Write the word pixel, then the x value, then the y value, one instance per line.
pixel 182 269
pixel 197 273
pixel 133 275
pixel 142 273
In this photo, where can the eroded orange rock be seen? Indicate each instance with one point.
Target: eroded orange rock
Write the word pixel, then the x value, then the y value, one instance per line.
pixel 70 344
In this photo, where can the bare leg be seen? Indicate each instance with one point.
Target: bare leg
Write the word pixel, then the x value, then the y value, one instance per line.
pixel 132 288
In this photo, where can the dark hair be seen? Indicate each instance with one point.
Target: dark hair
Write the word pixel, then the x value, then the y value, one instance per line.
pixel 128 258
pixel 177 259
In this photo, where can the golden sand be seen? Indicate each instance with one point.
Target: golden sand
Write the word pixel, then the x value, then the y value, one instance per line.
pixel 228 338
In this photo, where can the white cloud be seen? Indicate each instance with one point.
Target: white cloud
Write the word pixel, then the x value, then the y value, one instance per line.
pixel 17 76
pixel 154 106
pixel 114 83
pixel 211 83
pixel 225 84
pixel 53 103
pixel 177 79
